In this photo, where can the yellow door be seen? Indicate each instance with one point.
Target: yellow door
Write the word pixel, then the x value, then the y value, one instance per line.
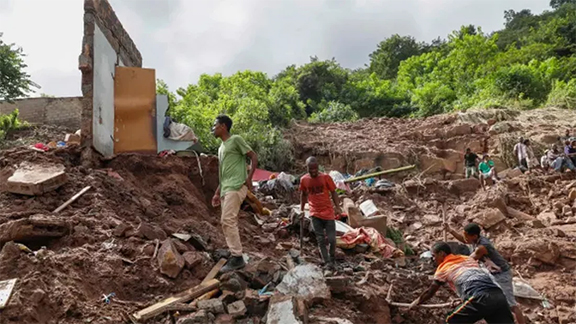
pixel 134 110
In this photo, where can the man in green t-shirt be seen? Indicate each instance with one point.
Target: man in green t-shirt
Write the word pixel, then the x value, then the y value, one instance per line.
pixel 235 181
pixel 487 170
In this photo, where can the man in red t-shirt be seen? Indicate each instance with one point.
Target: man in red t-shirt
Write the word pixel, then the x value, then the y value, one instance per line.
pixel 316 188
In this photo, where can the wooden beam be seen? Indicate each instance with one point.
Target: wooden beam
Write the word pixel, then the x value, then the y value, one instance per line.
pixel 168 303
pixel 371 175
pixel 214 272
pixel 71 200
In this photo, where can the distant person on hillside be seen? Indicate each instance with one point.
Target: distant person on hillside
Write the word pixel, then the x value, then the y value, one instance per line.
pixel 486 253
pixel 317 188
pixel 531 160
pixel 470 159
pixel 558 160
pixel 520 152
pixel 481 297
pixel 566 137
pixel 487 170
pixel 570 150
pixel 235 181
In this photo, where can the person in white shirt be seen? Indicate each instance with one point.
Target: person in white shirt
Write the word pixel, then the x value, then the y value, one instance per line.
pixel 521 152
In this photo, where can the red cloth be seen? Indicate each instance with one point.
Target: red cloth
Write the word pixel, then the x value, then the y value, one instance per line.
pixel 318 190
pixel 370 236
pixel 261 175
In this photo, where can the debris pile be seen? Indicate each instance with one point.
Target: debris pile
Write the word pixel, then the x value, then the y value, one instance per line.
pixel 135 239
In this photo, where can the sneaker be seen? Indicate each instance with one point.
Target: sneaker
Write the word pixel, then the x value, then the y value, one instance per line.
pixel 234 263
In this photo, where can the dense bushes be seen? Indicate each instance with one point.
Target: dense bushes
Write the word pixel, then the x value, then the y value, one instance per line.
pixel 9 122
pixel 531 63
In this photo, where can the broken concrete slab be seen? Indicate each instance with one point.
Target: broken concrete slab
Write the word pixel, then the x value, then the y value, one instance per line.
pixel 237 309
pixel 306 282
pixel 214 306
pixel 33 228
pixel 169 260
pixel 547 217
pixel 33 179
pixel 283 310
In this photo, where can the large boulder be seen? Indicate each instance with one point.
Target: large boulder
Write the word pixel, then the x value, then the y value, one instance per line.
pixel 489 217
pixel 305 282
pixel 170 260
pixel 464 185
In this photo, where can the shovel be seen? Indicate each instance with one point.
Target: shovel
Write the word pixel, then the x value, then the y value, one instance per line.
pixel 301 232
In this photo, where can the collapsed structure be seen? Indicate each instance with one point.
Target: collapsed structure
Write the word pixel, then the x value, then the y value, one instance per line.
pixel 133 238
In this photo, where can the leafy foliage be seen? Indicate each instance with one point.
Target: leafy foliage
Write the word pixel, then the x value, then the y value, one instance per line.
pixel 528 64
pixel 14 82
pixel 9 122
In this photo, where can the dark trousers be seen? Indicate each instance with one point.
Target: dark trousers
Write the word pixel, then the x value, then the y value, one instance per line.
pixel 325 231
pixel 490 305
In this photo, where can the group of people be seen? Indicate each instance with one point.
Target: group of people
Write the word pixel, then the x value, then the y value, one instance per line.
pixel 483 168
pixel 482 280
pixel 317 189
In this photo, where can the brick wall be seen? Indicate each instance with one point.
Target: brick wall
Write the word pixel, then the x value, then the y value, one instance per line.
pixel 53 111
pixel 100 13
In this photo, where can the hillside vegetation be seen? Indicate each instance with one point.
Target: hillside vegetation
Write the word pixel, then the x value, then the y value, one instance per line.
pixel 529 64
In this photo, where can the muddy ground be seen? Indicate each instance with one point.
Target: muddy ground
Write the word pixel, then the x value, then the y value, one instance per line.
pixel 104 242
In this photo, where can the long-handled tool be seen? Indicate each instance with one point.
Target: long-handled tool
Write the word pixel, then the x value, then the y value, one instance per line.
pixel 444 221
pixel 301 232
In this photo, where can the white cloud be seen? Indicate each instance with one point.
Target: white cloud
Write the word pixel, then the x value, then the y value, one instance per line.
pixel 182 39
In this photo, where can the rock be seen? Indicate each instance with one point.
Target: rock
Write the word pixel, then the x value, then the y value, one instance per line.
pixel 560 233
pixel 200 317
pixel 558 205
pixel 255 305
pixel 306 282
pixel 566 315
pixel 547 217
pixel 432 164
pixel 267 266
pixel 180 247
pixel 567 210
pixel 510 173
pixel 198 242
pixel 338 284
pixel 499 128
pixel 459 130
pixel 283 310
pixel 269 227
pixel 567 250
pixel 572 195
pixel 214 306
pixel 536 224
pixel 35 228
pixel 37 296
pixel 149 249
pixel 121 229
pixel 228 297
pixel 491 121
pixel 431 220
pixel 522 216
pixel 192 259
pixel 541 250
pixel 150 232
pixel 348 271
pixel 169 260
pixel 489 218
pixel 464 185
pixel 32 179
pixel 237 309
pixel 224 319
pixel 232 285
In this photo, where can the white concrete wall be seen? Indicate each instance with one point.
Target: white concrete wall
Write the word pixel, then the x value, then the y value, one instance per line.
pixel 105 61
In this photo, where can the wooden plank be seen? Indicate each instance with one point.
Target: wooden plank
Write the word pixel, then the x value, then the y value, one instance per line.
pixel 377 174
pixel 71 200
pixel 134 110
pixel 6 288
pixel 212 274
pixel 167 303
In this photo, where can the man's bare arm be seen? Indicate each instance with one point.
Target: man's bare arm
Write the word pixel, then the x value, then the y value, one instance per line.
pixel 479 253
pixel 454 233
pixel 253 164
pixel 303 200
pixel 426 295
pixel 336 201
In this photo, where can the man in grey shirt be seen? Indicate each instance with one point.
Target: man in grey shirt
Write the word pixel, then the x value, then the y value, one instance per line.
pixel 486 253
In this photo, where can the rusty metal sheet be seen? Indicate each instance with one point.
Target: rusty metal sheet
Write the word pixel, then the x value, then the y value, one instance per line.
pixel 134 110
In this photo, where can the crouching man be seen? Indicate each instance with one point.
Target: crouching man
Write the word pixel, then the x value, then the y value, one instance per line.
pixel 481 297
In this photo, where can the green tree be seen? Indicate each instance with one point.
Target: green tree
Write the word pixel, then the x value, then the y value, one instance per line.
pixel 555 4
pixel 385 60
pixel 14 81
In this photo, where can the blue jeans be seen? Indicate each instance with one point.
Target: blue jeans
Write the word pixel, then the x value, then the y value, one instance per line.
pixel 560 162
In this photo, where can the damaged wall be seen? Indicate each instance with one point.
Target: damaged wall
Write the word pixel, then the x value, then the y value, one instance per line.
pixel 52 111
pixel 105 45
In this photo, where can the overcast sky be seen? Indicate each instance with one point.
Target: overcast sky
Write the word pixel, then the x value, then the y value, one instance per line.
pixel 182 39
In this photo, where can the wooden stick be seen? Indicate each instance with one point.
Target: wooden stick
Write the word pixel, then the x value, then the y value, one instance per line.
pixel 423 306
pixel 212 274
pixel 156 249
pixel 167 303
pixel 389 295
pixel 444 221
pixel 71 200
pixel 371 175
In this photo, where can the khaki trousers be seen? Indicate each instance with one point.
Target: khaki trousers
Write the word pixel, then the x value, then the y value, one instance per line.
pixel 231 203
